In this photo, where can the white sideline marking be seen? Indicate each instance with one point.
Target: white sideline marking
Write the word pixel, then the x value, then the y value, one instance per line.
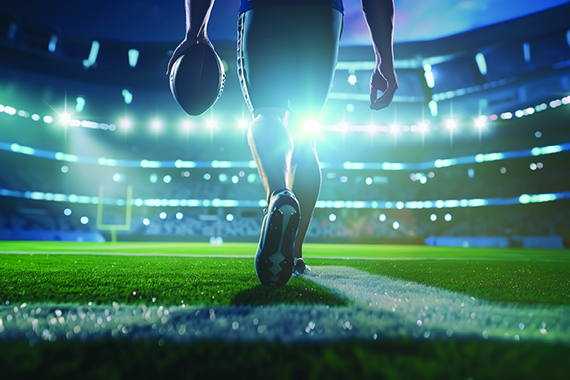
pixel 382 309
pixel 426 310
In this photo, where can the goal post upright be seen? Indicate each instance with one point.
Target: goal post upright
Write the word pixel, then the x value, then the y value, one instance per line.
pixel 114 227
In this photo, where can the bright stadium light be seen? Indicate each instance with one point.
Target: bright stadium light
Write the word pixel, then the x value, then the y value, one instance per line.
pixel 451 124
pixel 125 123
pixel 352 79
pixel 133 57
pixel 395 225
pixel 179 215
pixel 481 63
pixel 382 217
pixel 127 96
pixel 162 215
pixel 84 220
pixel 146 221
pixel 90 61
pixel 480 122
pixel 332 217
pixel 211 123
pixel 79 104
pixel 156 125
pixel 428 74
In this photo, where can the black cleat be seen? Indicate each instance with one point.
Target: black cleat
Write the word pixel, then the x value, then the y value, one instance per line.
pixel 275 260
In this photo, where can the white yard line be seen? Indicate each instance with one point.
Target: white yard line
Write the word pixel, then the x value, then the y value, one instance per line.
pixel 382 308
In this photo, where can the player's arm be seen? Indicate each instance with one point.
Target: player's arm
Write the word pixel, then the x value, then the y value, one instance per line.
pixel 379 15
pixel 197 17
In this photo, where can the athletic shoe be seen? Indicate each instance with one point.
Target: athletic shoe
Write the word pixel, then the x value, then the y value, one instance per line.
pixel 275 259
pixel 300 267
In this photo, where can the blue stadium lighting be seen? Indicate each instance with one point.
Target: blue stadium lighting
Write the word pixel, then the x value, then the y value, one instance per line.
pixel 52 45
pixel 448 217
pixel 433 217
pixel 90 61
pixel 133 57
pixel 396 225
pixel 352 79
pixel 350 108
pixel 67 212
pixel 48 119
pixel 127 96
pixel 179 215
pixel 79 104
pixel 439 163
pixel 162 215
pixel 481 63
pixel 156 125
pixel 229 217
pixel 84 220
pixel 526 52
pixel 146 221
pixel 166 179
pixel 433 108
pixel 332 217
pixel 382 217
pixel 428 74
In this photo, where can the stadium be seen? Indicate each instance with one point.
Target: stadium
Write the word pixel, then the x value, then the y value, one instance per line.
pixel 439 243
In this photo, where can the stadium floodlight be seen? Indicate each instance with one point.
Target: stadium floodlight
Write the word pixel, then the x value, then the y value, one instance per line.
pixel 481 63
pixel 90 61
pixel 79 103
pixel 52 45
pixel 127 96
pixel 395 225
pixel 332 217
pixel 480 122
pixel 428 74
pixel 64 118
pixel 352 79
pixel 382 217
pixel 84 220
pixel 433 108
pixel 211 123
pixel 133 57
pixel 156 125
pixel 447 217
pixel 433 217
pixel 179 215
pixel 125 123
pixel 451 124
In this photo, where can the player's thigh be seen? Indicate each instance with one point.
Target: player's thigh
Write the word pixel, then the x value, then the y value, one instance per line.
pixel 268 59
pixel 317 52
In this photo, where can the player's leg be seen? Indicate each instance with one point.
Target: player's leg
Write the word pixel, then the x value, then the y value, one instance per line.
pixel 317 55
pixel 265 64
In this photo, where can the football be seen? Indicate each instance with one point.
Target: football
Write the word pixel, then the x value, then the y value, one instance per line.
pixel 197 79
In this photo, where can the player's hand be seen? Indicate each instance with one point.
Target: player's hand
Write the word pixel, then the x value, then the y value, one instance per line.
pixel 387 84
pixel 180 49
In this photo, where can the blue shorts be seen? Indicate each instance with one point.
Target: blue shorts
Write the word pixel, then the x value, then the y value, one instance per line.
pixel 287 56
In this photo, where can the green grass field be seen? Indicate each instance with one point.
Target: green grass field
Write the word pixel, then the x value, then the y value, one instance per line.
pixel 173 274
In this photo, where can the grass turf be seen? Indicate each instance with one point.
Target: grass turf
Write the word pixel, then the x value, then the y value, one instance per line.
pixel 503 275
pixel 165 277
pixel 147 280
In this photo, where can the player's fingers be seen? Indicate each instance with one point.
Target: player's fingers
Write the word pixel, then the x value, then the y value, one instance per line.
pixel 386 98
pixel 179 51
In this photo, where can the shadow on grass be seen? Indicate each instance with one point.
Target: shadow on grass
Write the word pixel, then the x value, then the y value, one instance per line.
pixel 297 292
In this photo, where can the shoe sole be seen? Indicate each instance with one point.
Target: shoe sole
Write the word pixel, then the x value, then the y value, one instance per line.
pixel 274 261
